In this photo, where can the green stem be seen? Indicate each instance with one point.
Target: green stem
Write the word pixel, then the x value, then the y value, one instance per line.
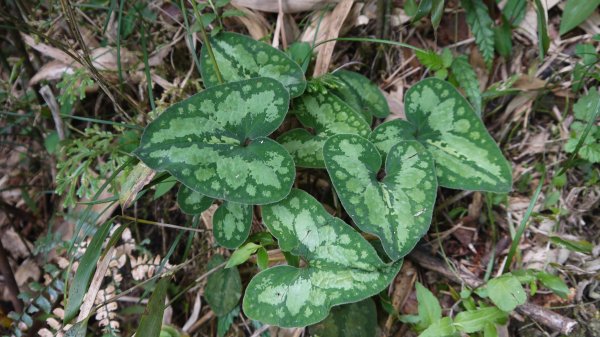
pixel 207 42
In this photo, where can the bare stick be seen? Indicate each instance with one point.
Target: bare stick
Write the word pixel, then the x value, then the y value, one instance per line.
pixel 548 318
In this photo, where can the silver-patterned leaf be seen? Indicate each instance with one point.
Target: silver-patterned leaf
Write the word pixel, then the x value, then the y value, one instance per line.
pixel 466 156
pixel 327 115
pixel 192 202
pixel 231 224
pixel 342 267
pixel 240 57
pixel 398 207
pixel 357 89
pixel 215 142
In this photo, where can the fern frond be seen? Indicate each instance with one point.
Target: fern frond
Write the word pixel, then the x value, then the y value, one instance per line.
pixel 467 79
pixel 481 25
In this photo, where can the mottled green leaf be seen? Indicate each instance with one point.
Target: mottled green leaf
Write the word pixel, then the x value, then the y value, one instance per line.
pixel 192 202
pixel 506 292
pixel 231 224
pixel 396 208
pixel 215 142
pixel 240 57
pixel 475 320
pixel 465 154
pixel 351 320
pixel 342 267
pixel 223 288
pixel 370 98
pixel 326 115
pixel 575 12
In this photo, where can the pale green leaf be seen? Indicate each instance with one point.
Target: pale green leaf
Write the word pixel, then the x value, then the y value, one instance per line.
pixel 429 307
pixel 342 267
pixel 575 12
pixel 192 202
pixel 481 25
pixel 396 208
pixel 215 142
pixel 327 115
pixel 465 154
pixel 231 224
pixel 223 288
pixel 151 320
pixel 351 320
pixel 441 328
pixel 489 330
pixel 242 254
pixel 506 292
pixel 164 186
pixel 370 98
pixel 476 320
pixel 83 275
pixel 240 57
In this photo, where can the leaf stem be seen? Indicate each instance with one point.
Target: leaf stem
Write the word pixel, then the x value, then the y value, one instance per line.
pixel 207 42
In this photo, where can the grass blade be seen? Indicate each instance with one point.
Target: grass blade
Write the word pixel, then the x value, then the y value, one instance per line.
pixel 152 318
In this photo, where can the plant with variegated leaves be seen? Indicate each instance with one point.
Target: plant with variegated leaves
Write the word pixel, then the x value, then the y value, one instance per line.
pixel 221 145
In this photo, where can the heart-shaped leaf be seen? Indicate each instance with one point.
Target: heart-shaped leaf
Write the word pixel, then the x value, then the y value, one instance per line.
pixel 466 156
pixel 327 115
pixel 362 94
pixel 192 202
pixel 342 267
pixel 215 142
pixel 231 224
pixel 396 208
pixel 240 57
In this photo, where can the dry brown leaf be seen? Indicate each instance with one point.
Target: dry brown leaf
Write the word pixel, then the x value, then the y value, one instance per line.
pixel 16 245
pixel 139 177
pixel 288 6
pixel 333 27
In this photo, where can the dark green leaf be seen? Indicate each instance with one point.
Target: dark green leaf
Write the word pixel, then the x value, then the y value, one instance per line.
pixel 542 28
pixel 580 246
pixel 481 25
pixel 371 99
pixel 467 79
pixel 437 10
pixel 351 320
pixel 223 288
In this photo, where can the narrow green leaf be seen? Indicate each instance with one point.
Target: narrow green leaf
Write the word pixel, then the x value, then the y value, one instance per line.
pixel 84 272
pixel 223 288
pixel 192 202
pixel 327 115
pixel 542 27
pixel 351 320
pixel 476 320
pixel 164 186
pixel 506 292
pixel 437 10
pixel 231 224
pixel 371 99
pixel 422 10
pixel 503 39
pixel 215 142
pixel 514 11
pixel 262 258
pixel 580 246
pixel 78 329
pixel 396 208
pixel 240 57
pixel 575 12
pixel 429 307
pixel 151 320
pixel 554 283
pixel 342 267
pixel 481 25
